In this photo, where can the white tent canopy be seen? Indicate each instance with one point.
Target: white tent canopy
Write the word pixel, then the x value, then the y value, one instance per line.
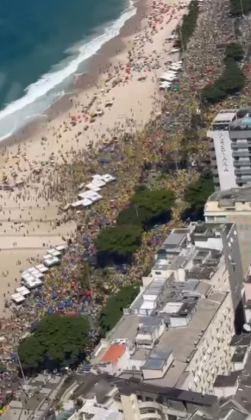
pixel 168 77
pixel 86 198
pixel 33 283
pixel 17 298
pixel 108 178
pixel 23 291
pixel 41 268
pixel 95 183
pixel 61 247
pixel 54 252
pixel 51 261
pixel 35 273
pixel 82 203
pixel 90 195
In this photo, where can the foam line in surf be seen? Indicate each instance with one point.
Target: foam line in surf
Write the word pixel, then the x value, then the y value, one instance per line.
pixel 50 80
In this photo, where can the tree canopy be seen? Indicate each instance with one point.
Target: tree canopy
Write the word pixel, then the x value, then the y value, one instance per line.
pixel 235 51
pixel 230 82
pixel 239 8
pixel 147 207
pixel 131 216
pixel 196 195
pixel 188 24
pixel 113 310
pixel 121 240
pixel 58 341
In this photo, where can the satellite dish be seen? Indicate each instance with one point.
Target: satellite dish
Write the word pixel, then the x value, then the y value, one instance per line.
pixel 246 328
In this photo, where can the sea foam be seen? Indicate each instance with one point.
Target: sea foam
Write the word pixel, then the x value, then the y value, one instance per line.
pixel 40 95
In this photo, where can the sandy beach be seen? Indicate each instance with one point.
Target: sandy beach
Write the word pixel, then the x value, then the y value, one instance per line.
pixel 110 99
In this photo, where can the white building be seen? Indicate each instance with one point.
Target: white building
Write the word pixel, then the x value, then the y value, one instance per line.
pixel 177 331
pixel 233 205
pixel 230 135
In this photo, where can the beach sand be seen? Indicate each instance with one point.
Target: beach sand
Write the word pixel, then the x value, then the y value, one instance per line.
pixel 29 221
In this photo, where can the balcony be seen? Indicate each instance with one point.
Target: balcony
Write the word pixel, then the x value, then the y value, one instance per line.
pixel 149 416
pixel 242 162
pixel 241 171
pixel 150 404
pixel 242 145
pixel 239 153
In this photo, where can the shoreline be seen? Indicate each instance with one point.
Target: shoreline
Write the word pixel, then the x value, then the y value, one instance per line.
pixel 95 64
pixel 30 222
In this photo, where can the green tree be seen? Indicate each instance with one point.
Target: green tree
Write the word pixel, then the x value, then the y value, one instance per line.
pixel 153 204
pixel 120 240
pixel 57 341
pixel 232 79
pixel 147 207
pixel 230 82
pixel 131 216
pixel 113 310
pixel 212 93
pixel 188 25
pixel 238 8
pixel 197 194
pixel 235 51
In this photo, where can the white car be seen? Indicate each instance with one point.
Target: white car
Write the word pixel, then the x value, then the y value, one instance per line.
pixel 174 50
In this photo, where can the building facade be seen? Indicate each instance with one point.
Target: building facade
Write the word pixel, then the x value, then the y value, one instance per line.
pixel 230 135
pixel 234 206
pixel 177 331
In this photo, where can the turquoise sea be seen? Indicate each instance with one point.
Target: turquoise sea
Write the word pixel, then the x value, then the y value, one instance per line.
pixel 43 44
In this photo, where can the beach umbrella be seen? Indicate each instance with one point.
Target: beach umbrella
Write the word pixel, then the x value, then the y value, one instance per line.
pixel 104 160
pixel 60 305
pixel 50 311
pixel 68 303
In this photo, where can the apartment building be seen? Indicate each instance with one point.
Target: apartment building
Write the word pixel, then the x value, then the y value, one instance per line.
pixel 233 205
pixel 230 135
pixel 177 331
pixel 105 396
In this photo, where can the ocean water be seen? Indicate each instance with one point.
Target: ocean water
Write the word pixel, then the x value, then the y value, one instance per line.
pixel 43 43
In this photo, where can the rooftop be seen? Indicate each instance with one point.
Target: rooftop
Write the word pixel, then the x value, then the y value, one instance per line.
pixel 174 306
pixel 195 253
pixel 171 339
pixel 223 381
pixel 228 198
pixel 114 352
pixel 242 120
pixel 225 115
pixel 243 393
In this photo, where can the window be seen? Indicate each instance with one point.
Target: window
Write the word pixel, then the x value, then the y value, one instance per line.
pixel 149 399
